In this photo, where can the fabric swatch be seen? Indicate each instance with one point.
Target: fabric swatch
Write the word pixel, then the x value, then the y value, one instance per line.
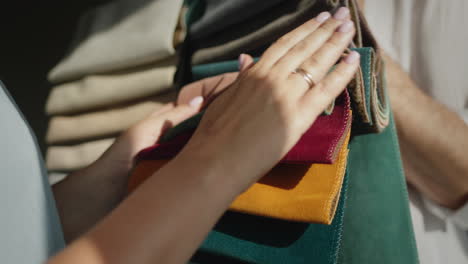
pixel 377 225
pixel 98 91
pixel 75 157
pixel 243 238
pixel 120 35
pixel 326 135
pixel 293 192
pixel 105 123
pixel 375 102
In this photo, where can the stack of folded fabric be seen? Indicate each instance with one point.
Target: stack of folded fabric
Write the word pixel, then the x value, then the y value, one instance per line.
pixel 120 68
pixel 339 195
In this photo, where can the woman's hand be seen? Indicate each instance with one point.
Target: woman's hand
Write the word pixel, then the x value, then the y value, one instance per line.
pixel 253 124
pixel 246 130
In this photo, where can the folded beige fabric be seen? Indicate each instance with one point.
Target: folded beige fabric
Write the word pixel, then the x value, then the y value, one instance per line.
pixel 56 177
pixel 119 35
pixel 97 91
pixel 70 158
pixel 103 123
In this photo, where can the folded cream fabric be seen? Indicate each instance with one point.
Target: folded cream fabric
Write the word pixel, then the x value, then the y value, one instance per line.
pixel 119 35
pixel 103 90
pixel 103 123
pixel 69 158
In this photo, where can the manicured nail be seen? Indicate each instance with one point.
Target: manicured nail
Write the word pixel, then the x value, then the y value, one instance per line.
pixel 196 102
pixel 342 13
pixel 322 17
pixel 352 57
pixel 241 61
pixel 346 27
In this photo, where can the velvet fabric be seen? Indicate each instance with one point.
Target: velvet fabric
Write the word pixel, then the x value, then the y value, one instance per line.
pixel 376 227
pixel 326 136
pixel 243 238
pixel 372 70
pixel 293 192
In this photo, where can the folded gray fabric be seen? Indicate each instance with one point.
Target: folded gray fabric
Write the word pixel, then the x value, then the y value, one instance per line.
pixel 220 14
pixel 257 31
pixel 119 35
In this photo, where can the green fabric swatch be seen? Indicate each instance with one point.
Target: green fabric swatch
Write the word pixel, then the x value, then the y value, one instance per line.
pixel 377 224
pixel 377 227
pixel 242 238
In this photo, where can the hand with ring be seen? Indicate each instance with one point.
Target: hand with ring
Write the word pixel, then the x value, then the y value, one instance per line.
pixel 264 111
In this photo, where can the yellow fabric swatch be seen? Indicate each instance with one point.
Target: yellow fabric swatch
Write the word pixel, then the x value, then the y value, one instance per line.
pixel 293 192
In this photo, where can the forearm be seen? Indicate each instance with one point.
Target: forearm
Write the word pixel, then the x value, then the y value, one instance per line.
pixel 163 221
pixel 87 195
pixel 433 141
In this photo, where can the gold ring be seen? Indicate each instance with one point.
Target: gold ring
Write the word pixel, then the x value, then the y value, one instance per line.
pixel 306 75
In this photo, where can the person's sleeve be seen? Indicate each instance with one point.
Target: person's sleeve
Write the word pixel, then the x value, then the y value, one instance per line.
pixel 458 217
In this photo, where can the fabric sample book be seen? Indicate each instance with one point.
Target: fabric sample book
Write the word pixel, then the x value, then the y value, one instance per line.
pixel 75 157
pixel 108 122
pixel 102 90
pixel 120 35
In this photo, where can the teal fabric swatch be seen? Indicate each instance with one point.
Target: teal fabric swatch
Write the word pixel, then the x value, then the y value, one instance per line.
pixel 211 69
pixel 377 224
pixel 242 238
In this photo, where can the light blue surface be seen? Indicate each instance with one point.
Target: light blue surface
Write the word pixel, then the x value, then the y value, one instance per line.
pixel 30 229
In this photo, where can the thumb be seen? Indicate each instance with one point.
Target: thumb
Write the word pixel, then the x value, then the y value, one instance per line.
pixel 245 62
pixel 184 111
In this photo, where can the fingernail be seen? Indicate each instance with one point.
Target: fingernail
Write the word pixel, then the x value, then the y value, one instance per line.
pixel 322 17
pixel 342 13
pixel 346 27
pixel 241 61
pixel 196 101
pixel 352 57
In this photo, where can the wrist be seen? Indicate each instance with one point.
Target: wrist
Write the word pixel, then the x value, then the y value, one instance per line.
pixel 212 169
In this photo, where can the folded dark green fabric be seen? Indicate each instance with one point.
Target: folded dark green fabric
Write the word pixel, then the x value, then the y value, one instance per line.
pixel 377 224
pixel 242 238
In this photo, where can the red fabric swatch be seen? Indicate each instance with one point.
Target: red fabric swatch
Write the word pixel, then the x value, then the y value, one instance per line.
pixel 320 144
